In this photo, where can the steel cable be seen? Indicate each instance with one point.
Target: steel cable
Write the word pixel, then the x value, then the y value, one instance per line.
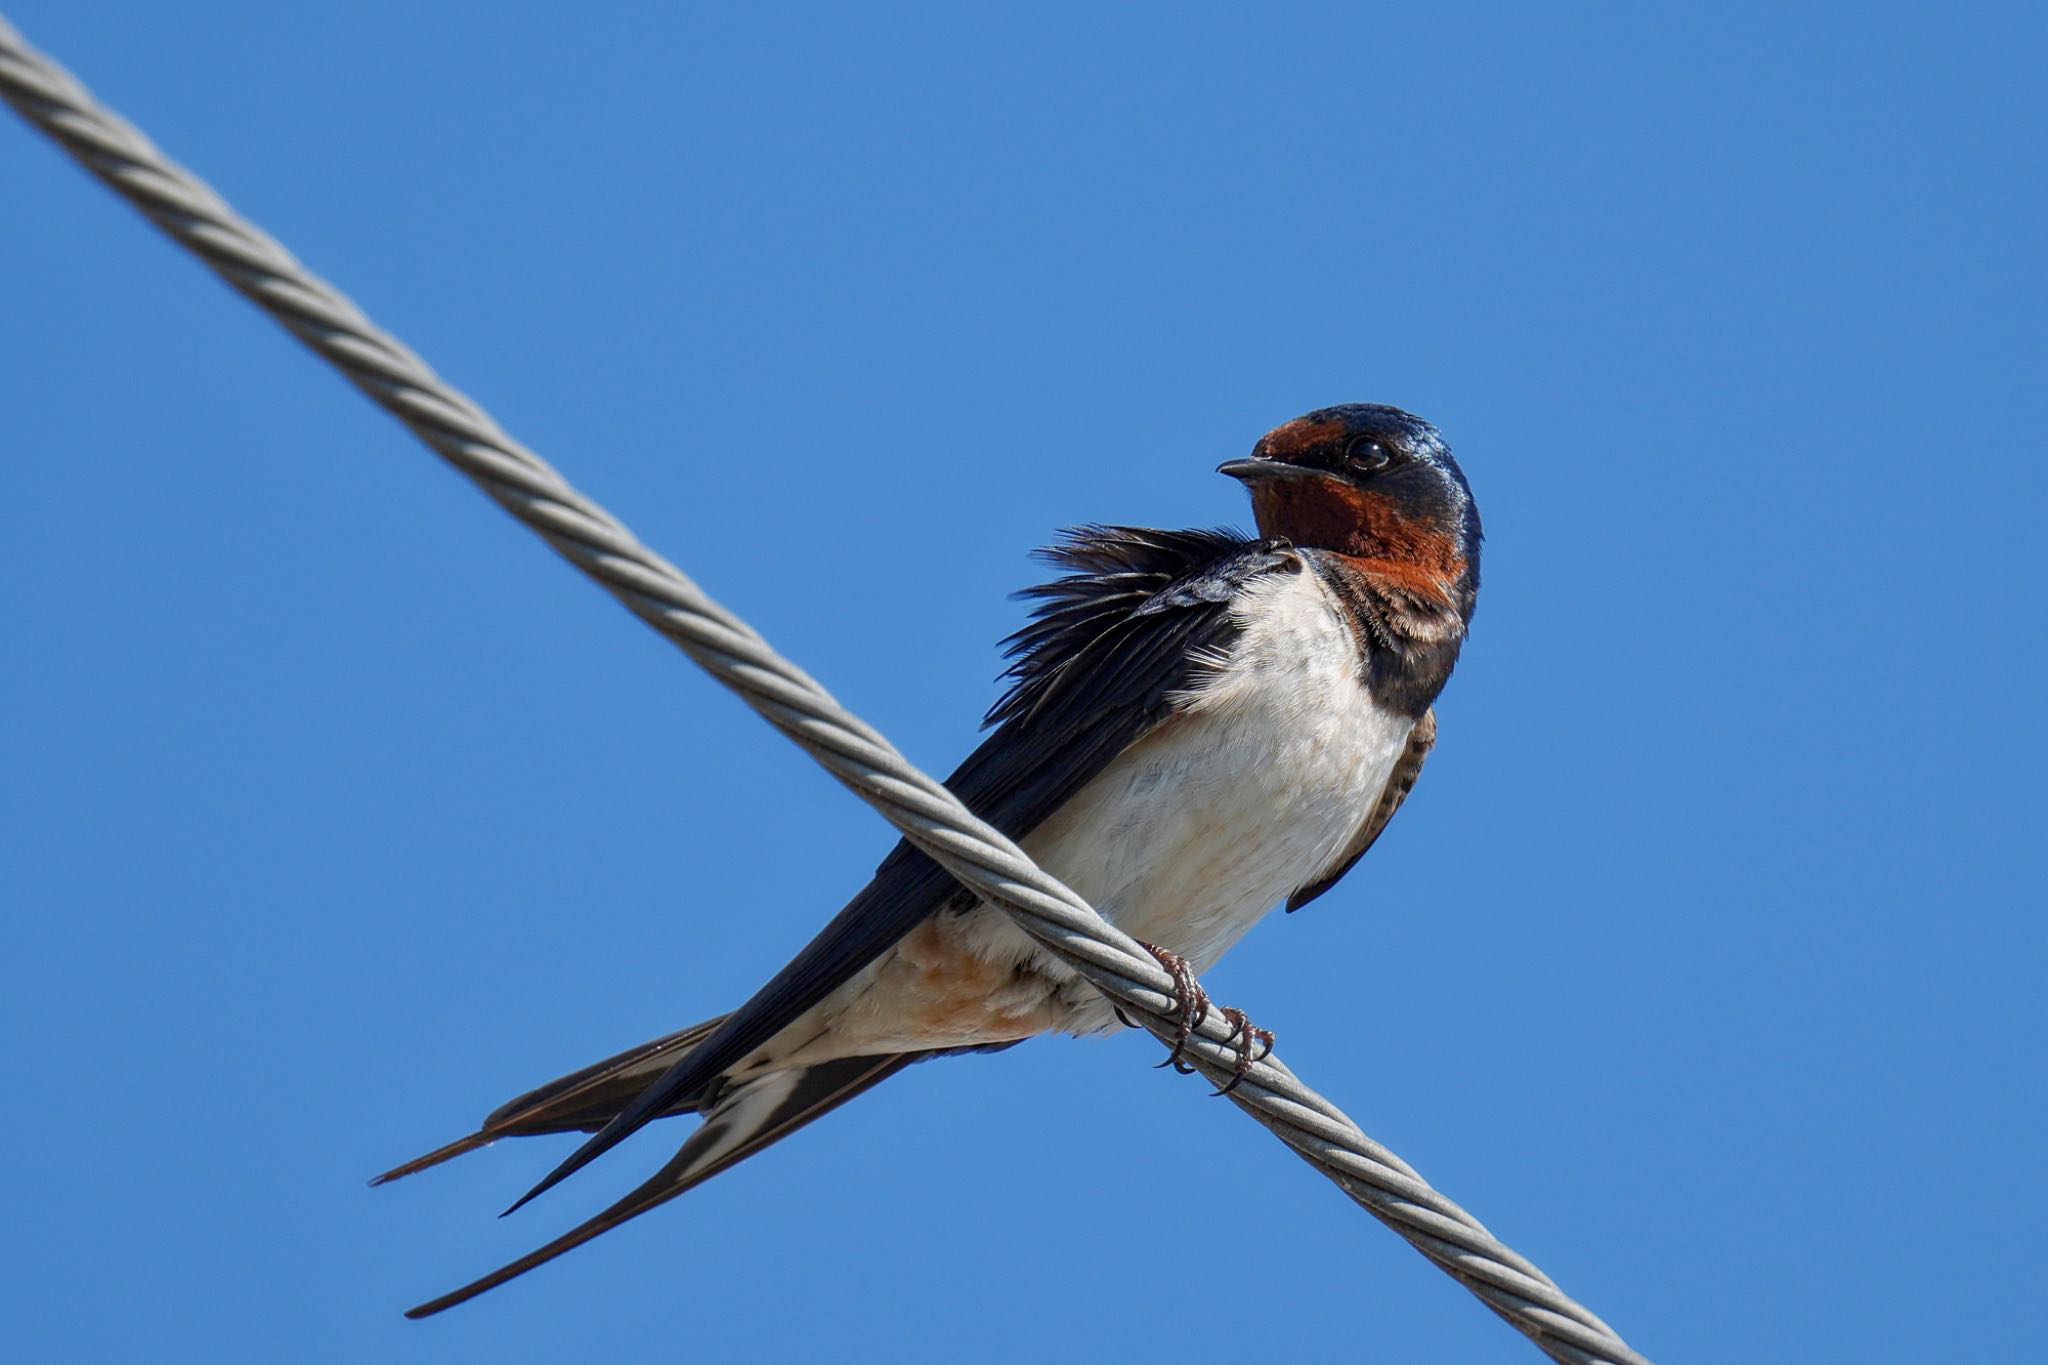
pixel 661 595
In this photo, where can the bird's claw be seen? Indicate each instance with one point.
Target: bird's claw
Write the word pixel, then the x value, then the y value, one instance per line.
pixel 1242 1030
pixel 1194 1002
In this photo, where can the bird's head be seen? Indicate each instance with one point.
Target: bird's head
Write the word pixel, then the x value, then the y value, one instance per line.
pixel 1376 484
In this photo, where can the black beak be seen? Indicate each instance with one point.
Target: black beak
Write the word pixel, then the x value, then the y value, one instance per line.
pixel 1257 470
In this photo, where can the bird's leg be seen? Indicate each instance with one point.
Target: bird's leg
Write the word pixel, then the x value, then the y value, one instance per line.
pixel 1241 1028
pixel 1194 1001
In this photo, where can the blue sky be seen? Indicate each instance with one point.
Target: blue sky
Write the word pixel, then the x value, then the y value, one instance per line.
pixel 1705 965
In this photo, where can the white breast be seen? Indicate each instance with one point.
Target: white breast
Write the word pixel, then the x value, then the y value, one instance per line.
pixel 1252 789
pixel 1255 788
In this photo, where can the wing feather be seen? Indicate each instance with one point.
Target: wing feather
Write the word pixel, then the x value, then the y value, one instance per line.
pixel 1113 642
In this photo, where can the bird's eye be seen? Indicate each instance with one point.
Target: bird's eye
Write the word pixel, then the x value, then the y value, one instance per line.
pixel 1365 455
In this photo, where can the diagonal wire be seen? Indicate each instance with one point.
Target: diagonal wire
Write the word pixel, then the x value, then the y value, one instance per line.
pixel 661 595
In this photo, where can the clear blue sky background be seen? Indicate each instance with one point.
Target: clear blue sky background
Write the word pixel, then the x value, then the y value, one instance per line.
pixel 1706 965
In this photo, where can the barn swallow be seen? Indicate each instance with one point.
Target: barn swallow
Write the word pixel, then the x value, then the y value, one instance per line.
pixel 1197 727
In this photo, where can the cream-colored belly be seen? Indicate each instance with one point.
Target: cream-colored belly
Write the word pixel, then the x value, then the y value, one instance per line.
pixel 1185 840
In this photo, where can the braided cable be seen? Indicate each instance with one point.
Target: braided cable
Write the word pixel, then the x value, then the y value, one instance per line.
pixel 589 537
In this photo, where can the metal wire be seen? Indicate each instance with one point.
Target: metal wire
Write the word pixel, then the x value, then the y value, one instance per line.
pixel 661 595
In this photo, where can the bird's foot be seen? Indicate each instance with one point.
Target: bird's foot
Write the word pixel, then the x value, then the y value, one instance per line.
pixel 1194 1001
pixel 1247 1036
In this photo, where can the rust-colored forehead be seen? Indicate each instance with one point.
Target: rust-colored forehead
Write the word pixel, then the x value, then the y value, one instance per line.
pixel 1299 436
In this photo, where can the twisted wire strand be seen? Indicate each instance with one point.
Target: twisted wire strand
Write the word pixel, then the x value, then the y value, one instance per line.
pixel 589 537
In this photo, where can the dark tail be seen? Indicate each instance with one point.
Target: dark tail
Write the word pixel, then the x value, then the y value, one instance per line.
pixel 582 1101
pixel 740 1122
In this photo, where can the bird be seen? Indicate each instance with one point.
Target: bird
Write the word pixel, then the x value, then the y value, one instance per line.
pixel 1198 725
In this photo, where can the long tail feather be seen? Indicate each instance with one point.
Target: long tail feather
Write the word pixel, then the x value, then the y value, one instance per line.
pixel 745 1120
pixel 581 1101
